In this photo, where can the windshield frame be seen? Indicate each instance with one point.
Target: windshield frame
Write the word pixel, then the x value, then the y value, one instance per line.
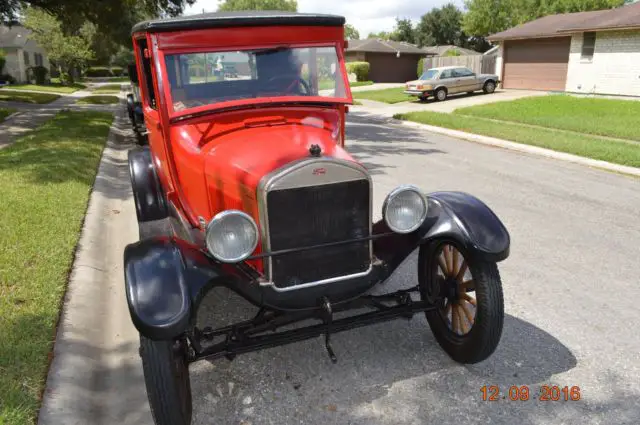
pixel 251 102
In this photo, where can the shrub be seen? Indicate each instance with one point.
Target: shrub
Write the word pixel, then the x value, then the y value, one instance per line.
pixel 116 71
pixel 420 67
pixel 7 78
pixel 452 52
pixel 361 69
pixel 99 71
pixel 3 59
pixel 38 73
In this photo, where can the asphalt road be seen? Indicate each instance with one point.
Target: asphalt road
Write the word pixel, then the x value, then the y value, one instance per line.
pixel 571 293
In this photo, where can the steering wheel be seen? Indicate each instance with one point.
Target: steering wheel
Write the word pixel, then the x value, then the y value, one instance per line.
pixel 296 82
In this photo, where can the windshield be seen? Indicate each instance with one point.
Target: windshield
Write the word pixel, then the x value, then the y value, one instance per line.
pixel 429 74
pixel 198 79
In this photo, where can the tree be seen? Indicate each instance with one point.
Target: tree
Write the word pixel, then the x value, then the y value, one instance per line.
pixel 383 35
pixel 351 33
pixel 485 17
pixel 404 31
pixel 69 52
pixel 441 26
pixel 288 5
pixel 113 18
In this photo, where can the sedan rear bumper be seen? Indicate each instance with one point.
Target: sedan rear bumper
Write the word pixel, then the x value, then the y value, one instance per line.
pixel 419 92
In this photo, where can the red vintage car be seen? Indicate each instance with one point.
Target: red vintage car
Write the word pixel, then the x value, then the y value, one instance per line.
pixel 246 184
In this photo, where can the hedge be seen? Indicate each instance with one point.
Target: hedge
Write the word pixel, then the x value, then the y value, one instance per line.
pixel 116 71
pixel 361 69
pixel 99 71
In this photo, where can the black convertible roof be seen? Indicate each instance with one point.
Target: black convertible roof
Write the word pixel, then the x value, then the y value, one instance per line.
pixel 253 18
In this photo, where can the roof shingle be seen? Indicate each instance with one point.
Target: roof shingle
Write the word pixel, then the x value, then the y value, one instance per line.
pixel 555 25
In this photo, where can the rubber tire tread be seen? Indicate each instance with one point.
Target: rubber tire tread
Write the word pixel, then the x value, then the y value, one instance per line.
pixel 486 332
pixel 162 384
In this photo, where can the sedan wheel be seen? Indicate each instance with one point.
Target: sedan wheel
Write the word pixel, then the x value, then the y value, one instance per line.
pixel 489 87
pixel 468 293
pixel 441 94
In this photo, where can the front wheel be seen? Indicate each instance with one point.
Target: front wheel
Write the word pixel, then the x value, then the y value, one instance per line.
pixel 468 293
pixel 489 87
pixel 166 375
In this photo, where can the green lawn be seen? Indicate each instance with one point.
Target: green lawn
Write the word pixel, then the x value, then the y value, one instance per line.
pixel 28 97
pixel 99 100
pixel 5 112
pixel 46 178
pixel 53 87
pixel 107 89
pixel 619 152
pixel 361 83
pixel 392 95
pixel 605 117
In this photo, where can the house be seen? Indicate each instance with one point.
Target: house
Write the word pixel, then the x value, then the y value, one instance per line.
pixel 390 61
pixel 21 52
pixel 584 52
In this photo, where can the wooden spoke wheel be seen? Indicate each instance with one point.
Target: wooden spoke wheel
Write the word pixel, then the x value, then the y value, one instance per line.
pixel 459 307
pixel 468 293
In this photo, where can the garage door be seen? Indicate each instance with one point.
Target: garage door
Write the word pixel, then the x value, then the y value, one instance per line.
pixel 536 64
pixel 388 68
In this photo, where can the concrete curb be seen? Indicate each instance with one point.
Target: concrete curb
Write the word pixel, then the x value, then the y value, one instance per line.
pixel 505 144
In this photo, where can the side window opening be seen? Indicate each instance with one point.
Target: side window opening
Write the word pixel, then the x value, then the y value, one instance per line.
pixel 146 70
pixel 588 45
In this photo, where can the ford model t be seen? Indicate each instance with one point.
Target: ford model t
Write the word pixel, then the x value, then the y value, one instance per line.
pixel 247 184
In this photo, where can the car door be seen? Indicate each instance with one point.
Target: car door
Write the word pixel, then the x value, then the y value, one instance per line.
pixel 465 79
pixel 447 79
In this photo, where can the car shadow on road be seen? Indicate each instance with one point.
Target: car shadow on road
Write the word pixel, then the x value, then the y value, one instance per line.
pixel 383 372
pixel 371 139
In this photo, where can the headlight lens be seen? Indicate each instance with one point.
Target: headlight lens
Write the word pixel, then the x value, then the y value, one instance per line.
pixel 231 236
pixel 405 209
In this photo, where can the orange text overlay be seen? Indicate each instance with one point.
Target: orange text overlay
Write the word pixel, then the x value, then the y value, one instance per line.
pixel 524 393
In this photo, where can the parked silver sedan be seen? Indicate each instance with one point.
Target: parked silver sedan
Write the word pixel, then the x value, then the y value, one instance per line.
pixel 446 80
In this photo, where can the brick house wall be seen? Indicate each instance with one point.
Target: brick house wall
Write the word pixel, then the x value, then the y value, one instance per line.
pixel 614 68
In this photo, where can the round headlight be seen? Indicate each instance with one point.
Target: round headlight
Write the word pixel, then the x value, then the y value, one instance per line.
pixel 231 236
pixel 405 209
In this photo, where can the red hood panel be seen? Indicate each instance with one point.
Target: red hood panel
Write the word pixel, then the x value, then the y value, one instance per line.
pixel 237 161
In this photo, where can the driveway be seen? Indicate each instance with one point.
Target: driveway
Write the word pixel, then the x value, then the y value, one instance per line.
pixel 452 103
pixel 570 284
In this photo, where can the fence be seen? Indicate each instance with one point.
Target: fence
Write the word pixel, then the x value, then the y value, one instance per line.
pixel 480 64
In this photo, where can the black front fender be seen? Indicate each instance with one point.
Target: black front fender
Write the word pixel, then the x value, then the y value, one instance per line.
pixel 165 280
pixel 452 215
pixel 470 222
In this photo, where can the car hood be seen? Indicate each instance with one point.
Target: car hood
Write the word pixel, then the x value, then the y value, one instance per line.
pixel 236 162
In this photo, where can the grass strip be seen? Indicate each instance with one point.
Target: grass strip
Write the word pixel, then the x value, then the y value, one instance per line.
pixel 623 153
pixel 27 97
pixel 391 95
pixel 98 100
pixel 603 117
pixel 46 178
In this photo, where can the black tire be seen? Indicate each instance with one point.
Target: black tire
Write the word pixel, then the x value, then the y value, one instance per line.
pixel 166 376
pixel 440 94
pixel 481 340
pixel 489 87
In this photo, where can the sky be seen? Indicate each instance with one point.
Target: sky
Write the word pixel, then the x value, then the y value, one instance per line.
pixel 366 15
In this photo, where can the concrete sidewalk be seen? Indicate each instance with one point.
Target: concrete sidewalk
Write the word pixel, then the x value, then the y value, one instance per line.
pixel 96 375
